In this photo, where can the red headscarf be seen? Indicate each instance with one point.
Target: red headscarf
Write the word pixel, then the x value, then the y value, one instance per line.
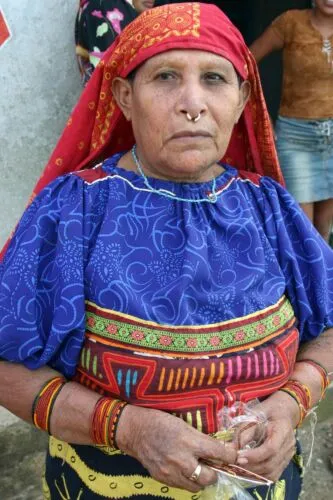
pixel 97 128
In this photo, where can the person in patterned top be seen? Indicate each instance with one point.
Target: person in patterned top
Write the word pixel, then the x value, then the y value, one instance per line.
pixel 97 24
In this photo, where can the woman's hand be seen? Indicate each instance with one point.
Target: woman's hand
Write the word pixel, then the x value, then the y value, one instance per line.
pixel 273 455
pixel 169 448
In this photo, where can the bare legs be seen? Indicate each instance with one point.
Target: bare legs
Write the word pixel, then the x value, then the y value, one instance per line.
pixel 320 214
pixel 323 217
pixel 308 208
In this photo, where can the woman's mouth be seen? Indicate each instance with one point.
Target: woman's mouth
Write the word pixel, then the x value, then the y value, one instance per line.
pixel 188 134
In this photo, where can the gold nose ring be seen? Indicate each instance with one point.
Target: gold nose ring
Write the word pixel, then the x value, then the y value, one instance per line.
pixel 195 119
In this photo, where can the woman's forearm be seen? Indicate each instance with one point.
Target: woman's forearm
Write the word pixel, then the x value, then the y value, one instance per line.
pixel 320 350
pixel 268 42
pixel 73 408
pixel 142 431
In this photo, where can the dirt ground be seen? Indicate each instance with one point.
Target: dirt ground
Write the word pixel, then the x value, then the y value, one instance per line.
pixel 318 477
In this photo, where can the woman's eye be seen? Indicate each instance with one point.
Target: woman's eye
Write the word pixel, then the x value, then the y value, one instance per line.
pixel 214 77
pixel 165 76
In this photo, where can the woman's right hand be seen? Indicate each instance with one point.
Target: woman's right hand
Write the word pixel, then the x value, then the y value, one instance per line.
pixel 169 448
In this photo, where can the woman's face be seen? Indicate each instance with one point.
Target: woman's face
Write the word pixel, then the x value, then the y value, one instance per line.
pixel 325 7
pixel 165 90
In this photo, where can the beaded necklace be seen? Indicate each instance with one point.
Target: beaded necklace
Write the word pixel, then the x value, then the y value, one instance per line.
pixel 211 197
pixel 327 49
pixel 327 44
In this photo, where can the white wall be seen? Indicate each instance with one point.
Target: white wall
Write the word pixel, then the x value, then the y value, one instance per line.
pixel 39 85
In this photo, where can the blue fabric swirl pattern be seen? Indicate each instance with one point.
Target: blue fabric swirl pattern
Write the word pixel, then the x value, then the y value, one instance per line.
pixel 111 241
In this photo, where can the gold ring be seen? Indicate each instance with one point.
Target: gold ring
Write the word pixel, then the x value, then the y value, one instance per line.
pixel 196 473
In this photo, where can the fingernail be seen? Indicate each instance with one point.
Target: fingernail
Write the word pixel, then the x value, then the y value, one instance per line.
pixel 242 461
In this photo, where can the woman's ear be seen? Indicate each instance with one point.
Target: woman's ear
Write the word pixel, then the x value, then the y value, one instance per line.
pixel 122 91
pixel 244 94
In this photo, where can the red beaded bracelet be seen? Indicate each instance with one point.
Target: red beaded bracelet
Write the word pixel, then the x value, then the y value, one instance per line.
pixel 325 381
pixel 104 421
pixel 301 394
pixel 44 402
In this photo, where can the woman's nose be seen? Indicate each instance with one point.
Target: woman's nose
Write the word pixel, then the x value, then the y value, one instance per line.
pixel 193 113
pixel 192 102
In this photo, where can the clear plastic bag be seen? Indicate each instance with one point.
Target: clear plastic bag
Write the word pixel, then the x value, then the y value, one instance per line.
pixel 244 426
pixel 226 489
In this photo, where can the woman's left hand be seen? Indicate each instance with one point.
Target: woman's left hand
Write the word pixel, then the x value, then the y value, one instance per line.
pixel 272 457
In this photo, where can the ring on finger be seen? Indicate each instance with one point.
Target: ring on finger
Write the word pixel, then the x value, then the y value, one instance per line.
pixel 196 473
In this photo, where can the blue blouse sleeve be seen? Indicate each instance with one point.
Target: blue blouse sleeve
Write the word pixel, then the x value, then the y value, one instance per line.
pixel 305 259
pixel 42 310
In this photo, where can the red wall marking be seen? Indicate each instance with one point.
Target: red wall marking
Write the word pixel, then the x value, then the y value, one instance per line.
pixel 5 33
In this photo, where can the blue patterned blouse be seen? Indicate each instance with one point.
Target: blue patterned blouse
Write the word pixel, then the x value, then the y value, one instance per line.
pixel 101 235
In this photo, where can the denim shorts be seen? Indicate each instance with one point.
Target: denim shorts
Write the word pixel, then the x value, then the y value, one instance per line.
pixel 305 150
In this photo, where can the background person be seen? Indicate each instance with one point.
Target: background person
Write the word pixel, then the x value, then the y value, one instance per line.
pixel 162 280
pixel 97 24
pixel 304 128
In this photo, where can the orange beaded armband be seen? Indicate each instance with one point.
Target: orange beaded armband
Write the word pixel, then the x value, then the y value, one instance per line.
pixel 301 394
pixel 325 381
pixel 104 422
pixel 44 402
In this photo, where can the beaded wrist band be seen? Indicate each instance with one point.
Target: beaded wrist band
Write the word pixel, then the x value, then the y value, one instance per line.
pixel 44 402
pixel 301 394
pixel 325 381
pixel 105 420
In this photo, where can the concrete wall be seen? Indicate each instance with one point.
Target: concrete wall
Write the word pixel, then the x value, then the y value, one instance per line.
pixel 39 84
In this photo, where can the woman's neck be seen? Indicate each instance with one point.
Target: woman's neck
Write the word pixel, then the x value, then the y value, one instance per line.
pixel 322 22
pixel 127 162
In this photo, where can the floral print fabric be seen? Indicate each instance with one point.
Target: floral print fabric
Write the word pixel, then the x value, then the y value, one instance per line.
pixel 97 24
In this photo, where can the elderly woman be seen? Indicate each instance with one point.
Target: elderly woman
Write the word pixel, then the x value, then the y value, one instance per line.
pixel 142 296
